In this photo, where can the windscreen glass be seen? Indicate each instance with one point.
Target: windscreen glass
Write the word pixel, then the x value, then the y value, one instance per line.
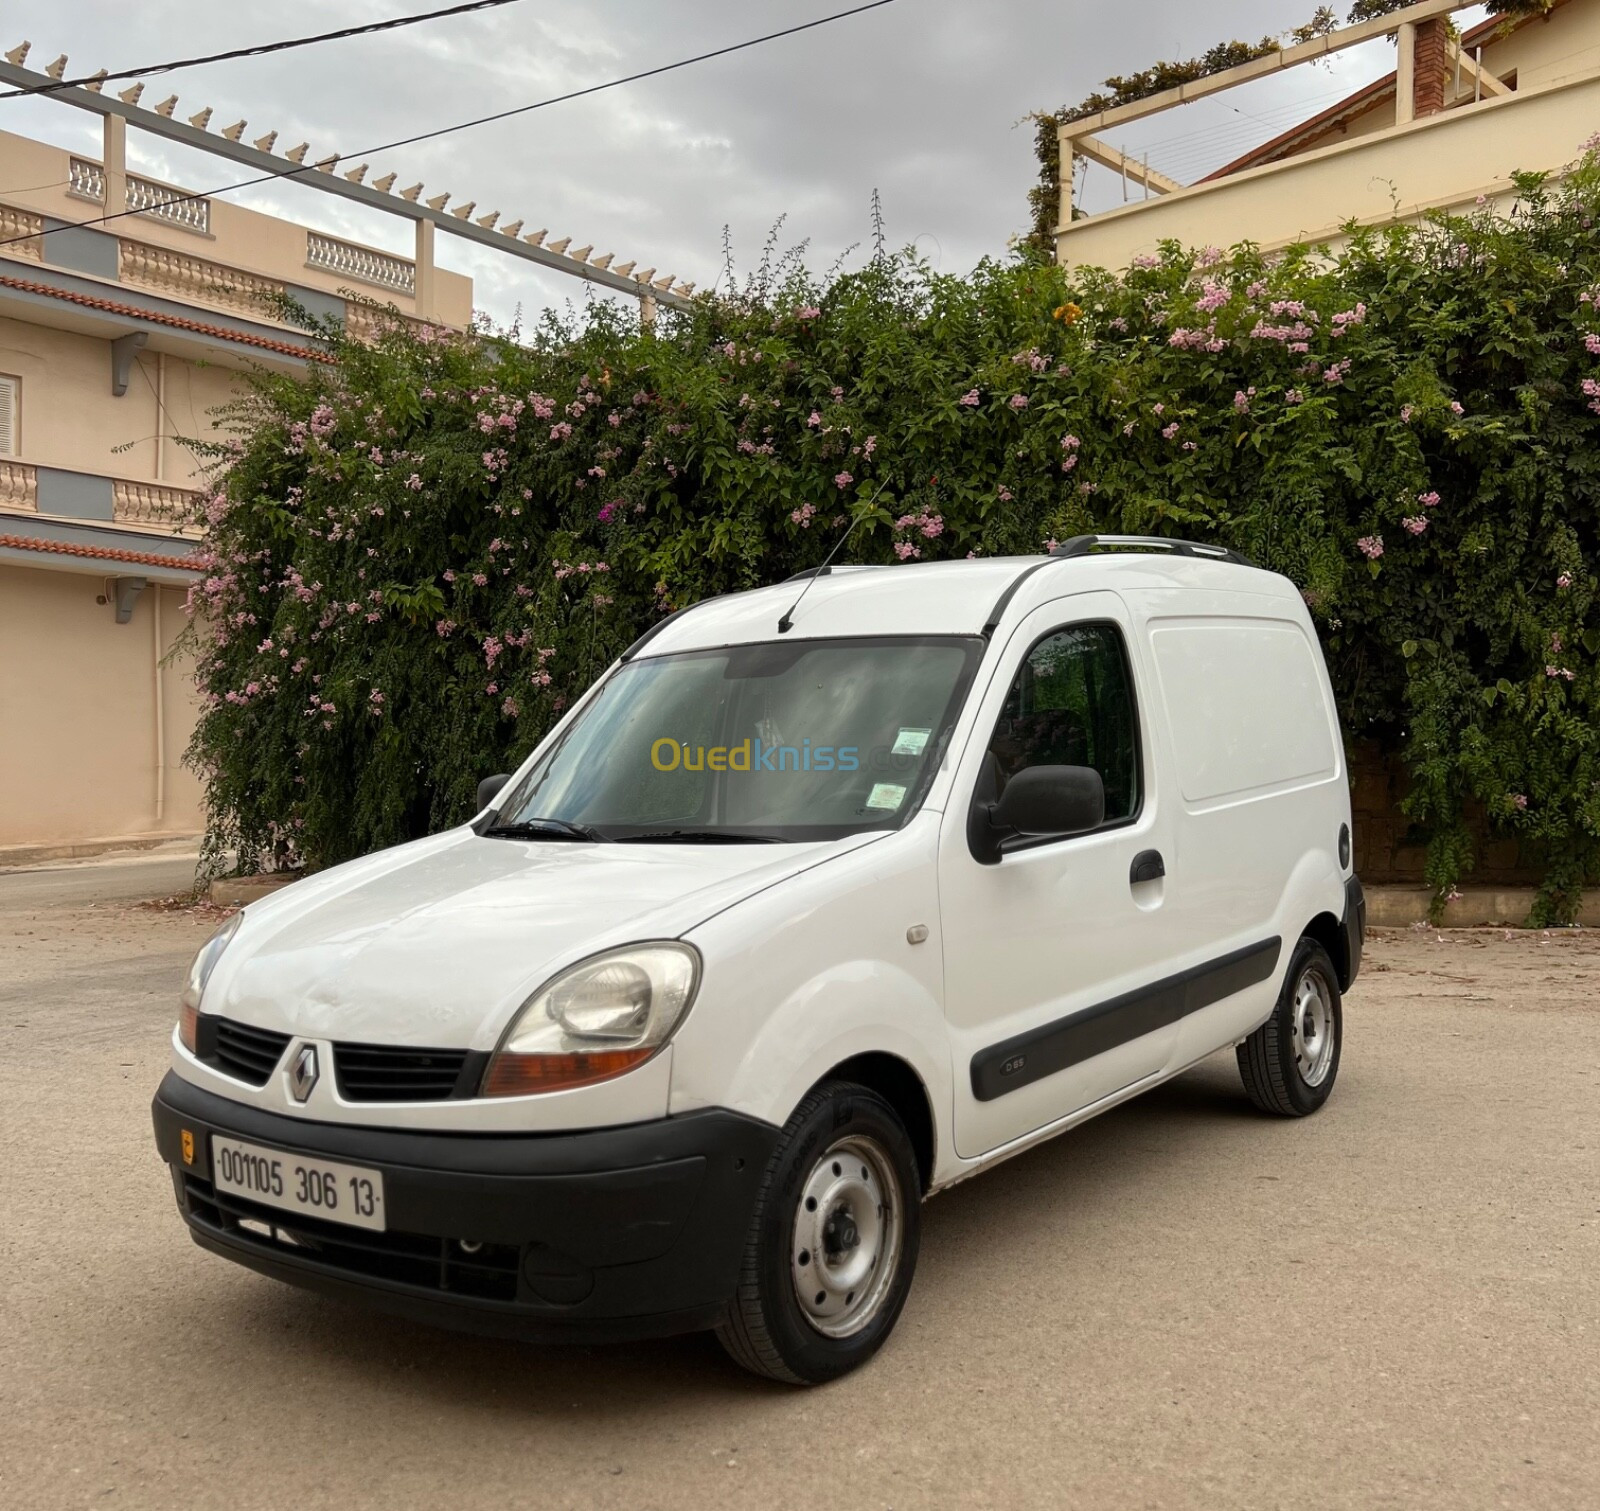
pixel 786 740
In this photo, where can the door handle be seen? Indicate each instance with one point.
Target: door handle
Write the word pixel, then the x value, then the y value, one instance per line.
pixel 1147 866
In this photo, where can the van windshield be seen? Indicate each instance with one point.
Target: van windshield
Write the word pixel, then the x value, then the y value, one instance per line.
pixel 787 740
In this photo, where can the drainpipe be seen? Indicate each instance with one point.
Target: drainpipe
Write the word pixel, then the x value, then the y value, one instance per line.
pixel 161 712
pixel 161 414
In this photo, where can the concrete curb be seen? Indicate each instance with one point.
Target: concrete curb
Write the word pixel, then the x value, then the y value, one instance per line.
pixel 238 891
pixel 85 849
pixel 1476 908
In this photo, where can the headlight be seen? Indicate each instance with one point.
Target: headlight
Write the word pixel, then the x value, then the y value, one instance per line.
pixel 597 1020
pixel 199 973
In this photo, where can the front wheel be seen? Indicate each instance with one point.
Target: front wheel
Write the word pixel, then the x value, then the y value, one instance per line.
pixel 1289 1064
pixel 833 1243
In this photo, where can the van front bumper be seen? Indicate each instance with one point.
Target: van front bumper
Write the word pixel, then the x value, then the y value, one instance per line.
pixel 610 1233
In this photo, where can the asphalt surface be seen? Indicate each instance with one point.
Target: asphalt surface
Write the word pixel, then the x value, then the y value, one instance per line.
pixel 1394 1303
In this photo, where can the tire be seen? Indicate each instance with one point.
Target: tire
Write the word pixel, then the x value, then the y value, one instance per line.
pixel 1290 1063
pixel 839 1211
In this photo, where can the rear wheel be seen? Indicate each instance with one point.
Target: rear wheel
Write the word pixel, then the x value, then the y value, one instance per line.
pixel 1290 1063
pixel 833 1243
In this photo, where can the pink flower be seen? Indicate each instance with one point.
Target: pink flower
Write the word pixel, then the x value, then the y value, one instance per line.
pixel 479 580
pixel 1415 523
pixel 1428 500
pixel 608 512
pixel 1370 546
pixel 803 515
pixel 1564 580
pixel 1455 408
pixel 1168 431
pixel 810 312
pixel 1592 344
pixel 969 398
pixel 375 696
pixel 560 431
pixel 1070 443
pixel 1294 396
pixel 1241 400
pixel 1018 401
pixel 905 550
pixel 814 419
pixel 1559 671
pixel 1406 411
pixel 842 480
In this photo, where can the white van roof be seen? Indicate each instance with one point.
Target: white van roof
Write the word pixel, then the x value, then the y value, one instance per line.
pixel 971 597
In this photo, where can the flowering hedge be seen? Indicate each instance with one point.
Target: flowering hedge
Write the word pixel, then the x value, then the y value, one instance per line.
pixel 424 549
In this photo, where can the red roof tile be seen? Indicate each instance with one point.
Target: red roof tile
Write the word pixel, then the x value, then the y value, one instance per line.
pixel 98 553
pixel 156 317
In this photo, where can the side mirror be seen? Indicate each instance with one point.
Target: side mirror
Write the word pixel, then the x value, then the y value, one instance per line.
pixel 490 788
pixel 1038 800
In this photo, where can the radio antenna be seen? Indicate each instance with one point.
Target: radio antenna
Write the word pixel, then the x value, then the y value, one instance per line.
pixel 787 622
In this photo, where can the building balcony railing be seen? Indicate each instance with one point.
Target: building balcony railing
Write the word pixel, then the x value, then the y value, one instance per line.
pixel 133 502
pixel 351 261
pixel 200 280
pixel 177 207
pixel 18 486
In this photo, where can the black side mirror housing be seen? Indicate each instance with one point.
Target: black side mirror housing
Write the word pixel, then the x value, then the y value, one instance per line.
pixel 1041 800
pixel 490 788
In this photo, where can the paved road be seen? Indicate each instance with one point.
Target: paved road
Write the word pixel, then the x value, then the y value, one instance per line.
pixel 1396 1303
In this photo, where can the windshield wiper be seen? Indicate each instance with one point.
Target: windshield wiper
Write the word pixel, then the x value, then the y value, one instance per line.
pixel 697 837
pixel 546 828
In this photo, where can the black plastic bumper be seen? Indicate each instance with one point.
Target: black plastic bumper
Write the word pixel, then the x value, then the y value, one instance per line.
pixel 627 1232
pixel 1355 929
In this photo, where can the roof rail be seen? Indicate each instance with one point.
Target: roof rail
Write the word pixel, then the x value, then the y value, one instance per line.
pixel 1084 545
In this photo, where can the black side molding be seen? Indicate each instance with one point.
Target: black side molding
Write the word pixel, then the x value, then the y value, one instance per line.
pixel 1041 1052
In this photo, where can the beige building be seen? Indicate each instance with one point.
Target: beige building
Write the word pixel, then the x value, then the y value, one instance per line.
pixel 114 344
pixel 129 312
pixel 1447 127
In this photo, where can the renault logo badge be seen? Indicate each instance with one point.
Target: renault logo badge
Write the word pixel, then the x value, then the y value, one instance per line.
pixel 303 1072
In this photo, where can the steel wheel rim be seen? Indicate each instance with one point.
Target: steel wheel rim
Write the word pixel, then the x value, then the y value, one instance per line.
pixel 1313 1027
pixel 848 1229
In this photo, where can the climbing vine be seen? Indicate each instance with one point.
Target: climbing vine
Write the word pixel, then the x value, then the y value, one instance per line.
pixel 421 551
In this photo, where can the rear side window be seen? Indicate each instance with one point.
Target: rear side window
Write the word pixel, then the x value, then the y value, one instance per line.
pixel 1072 705
pixel 1245 703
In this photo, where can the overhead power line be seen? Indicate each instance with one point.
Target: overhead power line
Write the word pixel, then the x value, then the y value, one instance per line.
pixel 259 50
pixel 301 169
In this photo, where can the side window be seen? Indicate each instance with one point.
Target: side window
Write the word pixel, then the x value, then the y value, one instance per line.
pixel 1072 705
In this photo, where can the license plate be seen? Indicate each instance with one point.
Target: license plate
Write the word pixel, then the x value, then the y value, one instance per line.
pixel 299 1183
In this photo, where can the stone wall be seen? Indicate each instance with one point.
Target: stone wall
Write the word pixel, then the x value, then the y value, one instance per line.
pixel 1385 851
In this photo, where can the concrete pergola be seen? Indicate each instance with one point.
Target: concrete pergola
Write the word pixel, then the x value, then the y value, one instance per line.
pixel 119 112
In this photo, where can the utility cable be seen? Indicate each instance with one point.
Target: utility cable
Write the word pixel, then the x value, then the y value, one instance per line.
pixel 257 51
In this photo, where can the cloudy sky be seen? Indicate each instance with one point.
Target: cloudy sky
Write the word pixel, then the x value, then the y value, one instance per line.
pixel 920 99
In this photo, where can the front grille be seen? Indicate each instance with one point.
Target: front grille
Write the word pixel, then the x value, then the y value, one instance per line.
pixel 382 1073
pixel 488 1271
pixel 246 1053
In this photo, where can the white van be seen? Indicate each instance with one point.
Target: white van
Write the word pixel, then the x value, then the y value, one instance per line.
pixel 806 911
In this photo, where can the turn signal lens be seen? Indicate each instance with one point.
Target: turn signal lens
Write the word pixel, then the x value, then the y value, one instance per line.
pixel 598 1019
pixel 527 1075
pixel 188 1025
